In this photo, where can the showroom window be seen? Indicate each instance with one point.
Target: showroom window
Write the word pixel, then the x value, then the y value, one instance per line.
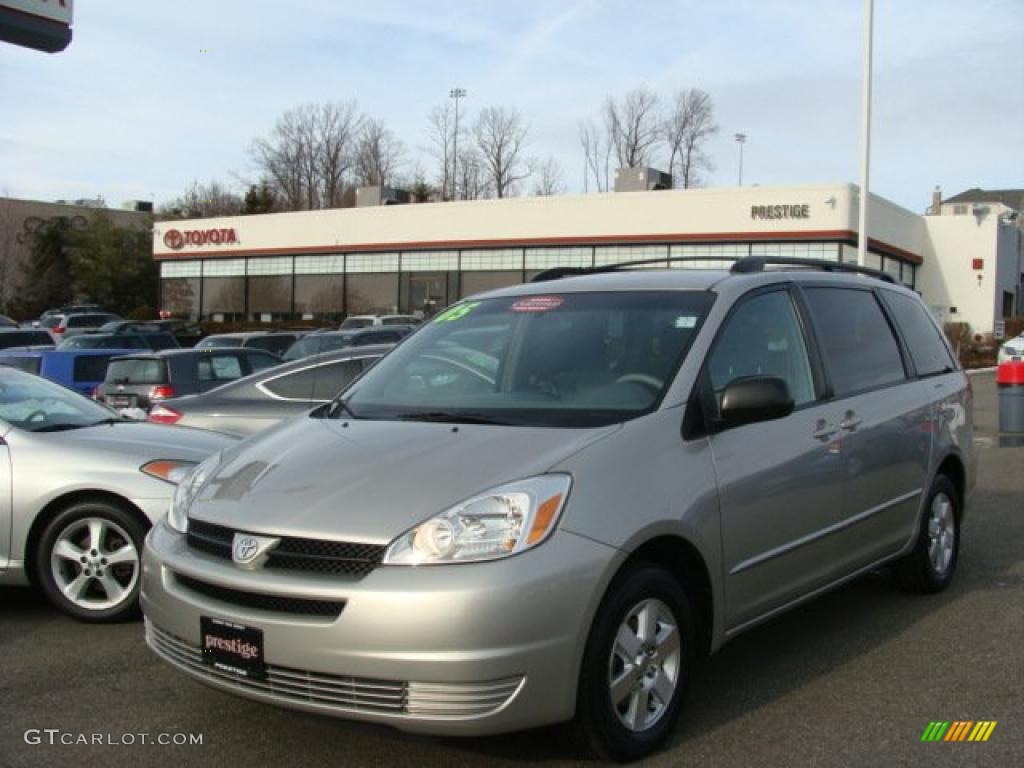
pixel 320 297
pixel 368 294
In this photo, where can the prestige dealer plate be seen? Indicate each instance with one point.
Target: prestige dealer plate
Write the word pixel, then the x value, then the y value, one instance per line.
pixel 231 647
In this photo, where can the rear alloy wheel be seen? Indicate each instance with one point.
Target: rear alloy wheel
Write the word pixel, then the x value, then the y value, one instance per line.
pixel 931 565
pixel 636 665
pixel 89 561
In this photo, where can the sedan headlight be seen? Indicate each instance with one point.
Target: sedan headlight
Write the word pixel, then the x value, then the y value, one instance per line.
pixel 185 493
pixel 504 521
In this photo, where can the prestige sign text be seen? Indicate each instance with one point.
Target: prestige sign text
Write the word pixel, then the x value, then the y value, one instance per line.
pixel 800 211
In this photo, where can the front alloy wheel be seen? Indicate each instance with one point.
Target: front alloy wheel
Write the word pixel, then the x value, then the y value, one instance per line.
pixel 636 665
pixel 88 561
pixel 644 666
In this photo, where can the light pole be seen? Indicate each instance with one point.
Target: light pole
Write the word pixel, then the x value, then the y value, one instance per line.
pixel 865 135
pixel 456 93
pixel 741 139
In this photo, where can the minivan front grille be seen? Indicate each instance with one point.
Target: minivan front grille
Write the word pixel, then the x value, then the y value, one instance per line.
pixel 261 601
pixel 292 553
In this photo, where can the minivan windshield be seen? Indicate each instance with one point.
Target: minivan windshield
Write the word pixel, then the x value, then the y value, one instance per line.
pixel 558 360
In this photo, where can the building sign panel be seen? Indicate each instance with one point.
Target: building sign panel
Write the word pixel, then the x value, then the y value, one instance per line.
pixel 799 211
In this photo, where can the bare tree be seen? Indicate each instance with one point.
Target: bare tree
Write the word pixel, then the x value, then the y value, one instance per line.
pixel 597 152
pixel 441 134
pixel 9 226
pixel 202 201
pixel 471 181
pixel 686 130
pixel 550 179
pixel 500 136
pixel 378 154
pixel 337 127
pixel 632 127
pixel 308 154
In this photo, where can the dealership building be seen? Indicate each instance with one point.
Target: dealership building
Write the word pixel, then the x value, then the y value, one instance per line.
pixel 322 265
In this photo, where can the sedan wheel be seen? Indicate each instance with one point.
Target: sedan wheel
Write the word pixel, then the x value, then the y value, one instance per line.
pixel 95 564
pixel 88 561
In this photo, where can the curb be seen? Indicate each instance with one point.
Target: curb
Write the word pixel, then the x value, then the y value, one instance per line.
pixel 973 371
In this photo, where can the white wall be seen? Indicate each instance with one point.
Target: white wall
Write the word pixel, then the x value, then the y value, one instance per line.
pixel 947 279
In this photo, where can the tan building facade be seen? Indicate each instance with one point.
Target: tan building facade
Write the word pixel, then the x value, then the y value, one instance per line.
pixel 419 258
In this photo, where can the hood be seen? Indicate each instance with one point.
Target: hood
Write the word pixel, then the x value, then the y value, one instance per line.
pixel 370 481
pixel 147 441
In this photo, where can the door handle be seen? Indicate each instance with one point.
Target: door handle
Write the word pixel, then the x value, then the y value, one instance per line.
pixel 824 431
pixel 850 422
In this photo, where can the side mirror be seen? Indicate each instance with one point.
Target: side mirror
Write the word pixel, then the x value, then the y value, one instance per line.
pixel 755 398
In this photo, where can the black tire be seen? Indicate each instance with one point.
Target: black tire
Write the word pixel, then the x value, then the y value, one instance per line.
pixel 916 572
pixel 599 729
pixel 122 528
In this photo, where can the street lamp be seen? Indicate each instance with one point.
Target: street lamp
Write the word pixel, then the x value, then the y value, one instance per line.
pixel 741 139
pixel 865 134
pixel 456 93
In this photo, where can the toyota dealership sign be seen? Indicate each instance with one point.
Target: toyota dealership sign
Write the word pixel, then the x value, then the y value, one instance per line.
pixel 177 239
pixel 44 25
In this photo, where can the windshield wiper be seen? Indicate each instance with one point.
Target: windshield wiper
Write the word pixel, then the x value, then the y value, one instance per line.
pixel 447 417
pixel 63 427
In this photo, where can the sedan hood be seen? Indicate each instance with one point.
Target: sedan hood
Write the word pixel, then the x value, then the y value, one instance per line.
pixel 369 481
pixel 146 441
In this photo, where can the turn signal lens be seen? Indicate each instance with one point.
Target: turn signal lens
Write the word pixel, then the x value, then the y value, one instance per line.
pixel 169 471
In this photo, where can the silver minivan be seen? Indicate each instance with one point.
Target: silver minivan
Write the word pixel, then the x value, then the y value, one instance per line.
pixel 551 501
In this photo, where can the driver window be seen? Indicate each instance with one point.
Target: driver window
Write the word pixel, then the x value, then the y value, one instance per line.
pixel 763 338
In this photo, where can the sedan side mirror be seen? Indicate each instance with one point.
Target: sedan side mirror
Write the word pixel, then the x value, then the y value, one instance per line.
pixel 755 398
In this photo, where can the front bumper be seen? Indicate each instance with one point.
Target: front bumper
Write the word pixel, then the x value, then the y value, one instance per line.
pixel 470 649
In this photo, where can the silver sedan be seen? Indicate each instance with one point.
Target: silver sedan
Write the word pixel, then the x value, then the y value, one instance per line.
pixel 79 489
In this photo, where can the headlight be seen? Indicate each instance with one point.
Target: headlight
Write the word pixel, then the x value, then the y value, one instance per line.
pixel 169 471
pixel 185 493
pixel 504 521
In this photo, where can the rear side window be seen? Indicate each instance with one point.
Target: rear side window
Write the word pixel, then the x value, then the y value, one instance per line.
pixel 160 341
pixel 136 372
pixel 321 382
pixel 19 339
pixel 378 337
pixel 220 368
pixel 91 368
pixel 260 362
pixel 29 364
pixel 275 344
pixel 88 321
pixel 859 345
pixel 927 349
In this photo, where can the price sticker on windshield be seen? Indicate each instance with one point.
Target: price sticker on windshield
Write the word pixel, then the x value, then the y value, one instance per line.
pixel 537 304
pixel 457 312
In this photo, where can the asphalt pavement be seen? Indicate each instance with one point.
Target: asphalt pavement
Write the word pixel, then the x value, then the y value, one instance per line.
pixel 851 679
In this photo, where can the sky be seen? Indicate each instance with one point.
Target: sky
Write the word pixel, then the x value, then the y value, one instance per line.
pixel 152 95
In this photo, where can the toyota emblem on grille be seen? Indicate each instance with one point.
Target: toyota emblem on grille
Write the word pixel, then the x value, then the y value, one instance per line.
pixel 250 551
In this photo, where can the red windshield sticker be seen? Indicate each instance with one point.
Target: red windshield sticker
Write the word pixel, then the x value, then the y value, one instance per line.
pixel 537 304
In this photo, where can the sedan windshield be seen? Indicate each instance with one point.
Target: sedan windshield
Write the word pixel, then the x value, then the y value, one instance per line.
pixel 37 405
pixel 570 360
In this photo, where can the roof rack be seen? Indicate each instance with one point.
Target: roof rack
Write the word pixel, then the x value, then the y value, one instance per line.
pixel 752 264
pixel 742 265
